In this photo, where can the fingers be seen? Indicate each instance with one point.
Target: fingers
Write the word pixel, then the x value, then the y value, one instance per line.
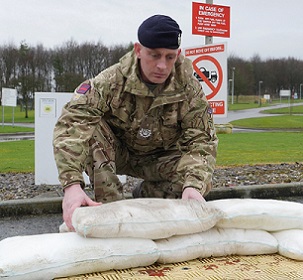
pixel 90 202
pixel 74 197
pixel 68 221
pixel 192 193
pixel 68 210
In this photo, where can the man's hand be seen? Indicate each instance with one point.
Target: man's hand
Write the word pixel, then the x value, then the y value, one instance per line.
pixel 74 197
pixel 192 193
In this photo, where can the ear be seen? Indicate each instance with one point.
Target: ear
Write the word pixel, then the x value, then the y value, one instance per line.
pixel 137 49
pixel 179 52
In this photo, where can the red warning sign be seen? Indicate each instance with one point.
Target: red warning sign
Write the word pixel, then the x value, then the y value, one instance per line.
pixel 210 68
pixel 210 20
pixel 209 77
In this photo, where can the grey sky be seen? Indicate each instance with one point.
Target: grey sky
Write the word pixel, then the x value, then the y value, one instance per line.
pixel 270 28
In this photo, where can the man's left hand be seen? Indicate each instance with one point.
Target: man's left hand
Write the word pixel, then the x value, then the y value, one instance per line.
pixel 192 193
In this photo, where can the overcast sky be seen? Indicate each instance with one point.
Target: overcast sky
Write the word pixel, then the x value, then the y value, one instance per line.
pixel 269 28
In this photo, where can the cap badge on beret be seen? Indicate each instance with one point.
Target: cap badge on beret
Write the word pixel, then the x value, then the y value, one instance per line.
pixel 179 39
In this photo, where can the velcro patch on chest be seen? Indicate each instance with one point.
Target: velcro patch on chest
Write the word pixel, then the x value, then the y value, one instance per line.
pixel 84 88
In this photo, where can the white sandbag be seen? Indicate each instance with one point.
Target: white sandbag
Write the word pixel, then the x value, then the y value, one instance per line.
pixel 145 218
pixel 266 214
pixel 47 256
pixel 290 243
pixel 216 242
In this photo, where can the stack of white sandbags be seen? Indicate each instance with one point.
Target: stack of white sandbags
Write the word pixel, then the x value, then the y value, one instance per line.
pixel 120 234
pixel 140 232
pixel 282 219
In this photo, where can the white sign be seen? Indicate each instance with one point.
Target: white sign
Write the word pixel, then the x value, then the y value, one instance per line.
pixel 9 97
pixel 285 92
pixel 210 68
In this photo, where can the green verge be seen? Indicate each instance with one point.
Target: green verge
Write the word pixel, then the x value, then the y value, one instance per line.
pixel 17 156
pixel 274 122
pixel 234 150
pixel 19 116
pixel 15 129
pixel 285 110
pixel 259 148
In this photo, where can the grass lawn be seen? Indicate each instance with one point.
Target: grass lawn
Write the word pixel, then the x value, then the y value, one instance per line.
pixel 15 129
pixel 259 148
pixel 285 110
pixel 234 149
pixel 19 116
pixel 275 122
pixel 17 156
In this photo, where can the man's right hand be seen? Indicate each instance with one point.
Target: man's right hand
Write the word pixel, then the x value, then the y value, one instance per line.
pixel 74 197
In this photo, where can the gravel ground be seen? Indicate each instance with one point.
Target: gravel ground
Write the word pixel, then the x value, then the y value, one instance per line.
pixel 21 185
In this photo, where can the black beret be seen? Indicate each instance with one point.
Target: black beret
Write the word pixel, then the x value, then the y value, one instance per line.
pixel 160 31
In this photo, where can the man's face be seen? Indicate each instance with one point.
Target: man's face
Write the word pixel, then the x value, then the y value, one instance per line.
pixel 156 64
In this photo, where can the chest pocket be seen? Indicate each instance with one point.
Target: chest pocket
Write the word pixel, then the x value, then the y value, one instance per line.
pixel 170 115
pixel 121 108
pixel 171 128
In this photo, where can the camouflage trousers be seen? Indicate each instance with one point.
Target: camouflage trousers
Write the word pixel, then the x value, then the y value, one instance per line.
pixel 108 157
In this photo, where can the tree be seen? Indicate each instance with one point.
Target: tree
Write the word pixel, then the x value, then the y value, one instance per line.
pixel 243 84
pixel 8 65
pixel 26 78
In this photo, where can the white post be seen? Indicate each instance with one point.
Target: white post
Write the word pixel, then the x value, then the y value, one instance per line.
pixel 260 82
pixel 233 85
pixel 209 39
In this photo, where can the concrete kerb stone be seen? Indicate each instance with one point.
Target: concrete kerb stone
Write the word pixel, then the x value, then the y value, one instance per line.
pixel 39 206
pixel 266 191
pixel 32 206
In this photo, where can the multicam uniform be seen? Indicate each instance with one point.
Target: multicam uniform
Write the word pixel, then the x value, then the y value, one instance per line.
pixel 117 124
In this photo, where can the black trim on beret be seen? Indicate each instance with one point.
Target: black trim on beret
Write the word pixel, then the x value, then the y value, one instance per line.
pixel 160 31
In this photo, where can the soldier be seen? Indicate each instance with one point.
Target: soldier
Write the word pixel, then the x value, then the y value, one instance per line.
pixel 146 117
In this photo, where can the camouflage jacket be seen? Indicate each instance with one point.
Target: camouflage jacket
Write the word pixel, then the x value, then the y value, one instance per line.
pixel 175 114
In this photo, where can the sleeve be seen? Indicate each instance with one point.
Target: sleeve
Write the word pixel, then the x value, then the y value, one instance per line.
pixel 73 130
pixel 198 143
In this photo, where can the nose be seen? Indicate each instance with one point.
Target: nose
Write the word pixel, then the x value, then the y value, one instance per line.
pixel 161 64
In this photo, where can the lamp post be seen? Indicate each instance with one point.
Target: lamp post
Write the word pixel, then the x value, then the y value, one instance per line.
pixel 260 82
pixel 229 86
pixel 233 85
pixel 301 91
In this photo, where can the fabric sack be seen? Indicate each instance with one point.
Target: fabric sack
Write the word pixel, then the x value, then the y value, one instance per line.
pixel 48 256
pixel 290 243
pixel 145 218
pixel 265 214
pixel 216 242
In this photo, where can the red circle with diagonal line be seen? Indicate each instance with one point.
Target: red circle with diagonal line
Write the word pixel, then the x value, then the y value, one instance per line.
pixel 205 79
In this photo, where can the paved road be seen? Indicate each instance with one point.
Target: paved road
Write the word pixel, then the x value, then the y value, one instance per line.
pixel 28 225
